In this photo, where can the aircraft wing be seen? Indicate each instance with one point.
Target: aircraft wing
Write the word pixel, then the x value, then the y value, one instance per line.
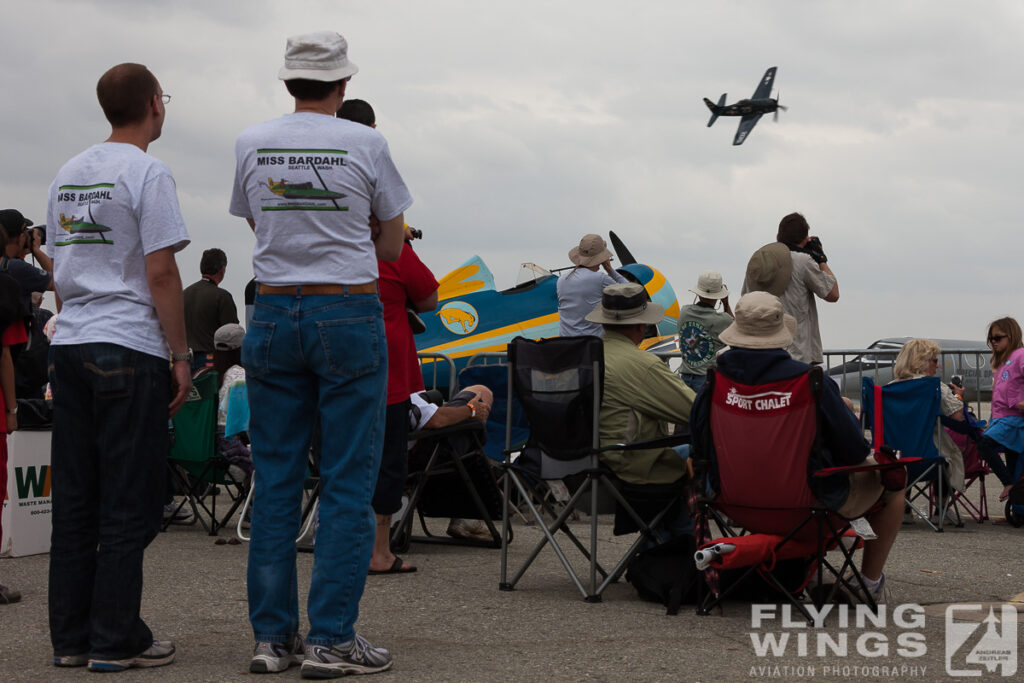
pixel 747 124
pixel 764 88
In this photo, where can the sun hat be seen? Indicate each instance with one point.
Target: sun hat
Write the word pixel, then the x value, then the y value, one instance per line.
pixel 321 56
pixel 760 323
pixel 228 337
pixel 769 269
pixel 593 251
pixel 626 304
pixel 709 286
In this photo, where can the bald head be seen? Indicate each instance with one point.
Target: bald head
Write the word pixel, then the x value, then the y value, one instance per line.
pixel 125 92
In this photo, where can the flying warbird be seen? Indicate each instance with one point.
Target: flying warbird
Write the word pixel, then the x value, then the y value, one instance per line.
pixel 751 110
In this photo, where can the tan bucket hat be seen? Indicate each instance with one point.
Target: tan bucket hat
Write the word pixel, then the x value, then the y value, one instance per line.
pixel 760 323
pixel 769 269
pixel 593 251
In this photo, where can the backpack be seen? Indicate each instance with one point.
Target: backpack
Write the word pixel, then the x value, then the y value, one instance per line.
pixel 666 573
pixel 11 306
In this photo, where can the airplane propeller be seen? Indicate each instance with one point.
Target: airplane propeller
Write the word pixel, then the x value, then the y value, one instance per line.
pixel 775 114
pixel 620 250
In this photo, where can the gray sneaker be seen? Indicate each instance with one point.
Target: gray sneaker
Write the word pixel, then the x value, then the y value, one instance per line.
pixel 269 658
pixel 354 657
pixel 160 653
pixel 70 660
pixel 8 595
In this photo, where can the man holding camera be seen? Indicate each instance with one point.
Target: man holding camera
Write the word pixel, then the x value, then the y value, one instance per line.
pixel 795 269
pixel 21 241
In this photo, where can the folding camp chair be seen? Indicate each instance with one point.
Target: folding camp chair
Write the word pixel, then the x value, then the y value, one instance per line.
pixel 906 423
pixel 964 434
pixel 450 476
pixel 770 429
pixel 200 472
pixel 558 382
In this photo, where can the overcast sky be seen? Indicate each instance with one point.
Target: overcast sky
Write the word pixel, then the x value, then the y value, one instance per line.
pixel 520 126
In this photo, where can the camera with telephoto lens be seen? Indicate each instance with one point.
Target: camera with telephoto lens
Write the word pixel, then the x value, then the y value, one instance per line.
pixel 30 232
pixel 814 250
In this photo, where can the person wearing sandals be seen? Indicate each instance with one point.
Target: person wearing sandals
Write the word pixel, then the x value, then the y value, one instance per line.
pixel 1005 433
pixel 699 326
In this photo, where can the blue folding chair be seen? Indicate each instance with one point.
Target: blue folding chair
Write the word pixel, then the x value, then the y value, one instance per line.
pixel 906 424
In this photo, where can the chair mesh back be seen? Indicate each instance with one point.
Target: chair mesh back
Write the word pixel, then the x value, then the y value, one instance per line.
pixel 555 382
pixel 763 436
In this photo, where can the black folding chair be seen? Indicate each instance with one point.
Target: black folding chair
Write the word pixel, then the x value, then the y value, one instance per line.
pixel 558 382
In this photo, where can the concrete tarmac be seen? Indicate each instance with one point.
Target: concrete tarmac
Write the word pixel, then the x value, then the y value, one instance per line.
pixel 449 621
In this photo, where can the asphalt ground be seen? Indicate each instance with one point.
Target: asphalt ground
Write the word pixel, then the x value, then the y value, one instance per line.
pixel 449 621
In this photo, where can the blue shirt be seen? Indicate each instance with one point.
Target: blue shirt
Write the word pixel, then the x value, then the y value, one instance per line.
pixel 579 293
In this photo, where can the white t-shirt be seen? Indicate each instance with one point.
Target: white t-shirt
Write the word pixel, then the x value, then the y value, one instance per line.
pixel 420 412
pixel 310 183
pixel 110 207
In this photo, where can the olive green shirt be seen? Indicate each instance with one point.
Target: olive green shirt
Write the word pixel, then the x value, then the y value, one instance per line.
pixel 641 396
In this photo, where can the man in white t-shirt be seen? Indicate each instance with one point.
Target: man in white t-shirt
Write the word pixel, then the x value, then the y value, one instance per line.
pixel 119 366
pixel 308 183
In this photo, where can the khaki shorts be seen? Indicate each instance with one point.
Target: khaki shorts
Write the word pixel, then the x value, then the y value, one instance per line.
pixel 865 490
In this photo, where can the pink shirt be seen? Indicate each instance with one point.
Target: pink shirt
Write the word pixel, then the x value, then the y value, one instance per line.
pixel 1008 386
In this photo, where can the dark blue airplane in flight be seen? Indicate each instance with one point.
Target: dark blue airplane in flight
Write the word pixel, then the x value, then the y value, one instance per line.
pixel 751 110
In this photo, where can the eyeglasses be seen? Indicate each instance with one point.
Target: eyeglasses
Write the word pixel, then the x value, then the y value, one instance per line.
pixel 165 98
pixel 996 337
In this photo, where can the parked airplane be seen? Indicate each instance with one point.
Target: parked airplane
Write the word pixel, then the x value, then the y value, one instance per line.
pixel 751 110
pixel 474 317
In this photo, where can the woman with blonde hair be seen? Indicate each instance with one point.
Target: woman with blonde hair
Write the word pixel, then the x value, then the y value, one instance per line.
pixel 1006 430
pixel 920 358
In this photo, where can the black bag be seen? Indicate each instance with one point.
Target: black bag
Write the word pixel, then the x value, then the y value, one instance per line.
pixel 666 573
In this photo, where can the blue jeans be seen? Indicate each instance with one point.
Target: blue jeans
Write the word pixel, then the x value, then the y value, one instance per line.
pixel 108 476
pixel 695 382
pixel 308 358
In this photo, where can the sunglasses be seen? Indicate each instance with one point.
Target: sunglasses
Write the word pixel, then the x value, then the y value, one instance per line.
pixel 996 337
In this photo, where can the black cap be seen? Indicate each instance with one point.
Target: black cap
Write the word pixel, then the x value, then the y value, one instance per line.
pixel 13 222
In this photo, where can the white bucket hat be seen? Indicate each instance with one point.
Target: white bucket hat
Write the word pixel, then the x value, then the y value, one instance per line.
pixel 321 56
pixel 709 286
pixel 760 323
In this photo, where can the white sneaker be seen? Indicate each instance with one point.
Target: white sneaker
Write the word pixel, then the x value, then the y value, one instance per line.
pixel 177 515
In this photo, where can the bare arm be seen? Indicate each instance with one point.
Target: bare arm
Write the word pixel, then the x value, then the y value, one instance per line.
pixel 7 385
pixel 388 242
pixel 450 415
pixel 41 258
pixel 832 296
pixel 252 224
pixel 165 288
pixel 427 305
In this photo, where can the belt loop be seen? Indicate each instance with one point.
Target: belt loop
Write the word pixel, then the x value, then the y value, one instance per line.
pixel 298 291
pixel 345 290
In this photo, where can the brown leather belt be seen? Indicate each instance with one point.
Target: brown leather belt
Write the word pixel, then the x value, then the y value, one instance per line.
pixel 314 290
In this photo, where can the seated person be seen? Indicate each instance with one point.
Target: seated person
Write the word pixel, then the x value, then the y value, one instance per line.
pixel 473 402
pixel 642 396
pixel 478 399
pixel 227 361
pixel 758 339
pixel 920 358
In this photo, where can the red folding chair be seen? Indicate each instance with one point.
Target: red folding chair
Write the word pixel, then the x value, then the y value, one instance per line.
pixel 762 439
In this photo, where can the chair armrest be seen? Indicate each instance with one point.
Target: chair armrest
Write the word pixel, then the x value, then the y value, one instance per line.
pixel 847 469
pixel 467 425
pixel 660 442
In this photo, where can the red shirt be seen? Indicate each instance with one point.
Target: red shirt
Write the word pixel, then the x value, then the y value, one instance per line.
pixel 401 281
pixel 14 334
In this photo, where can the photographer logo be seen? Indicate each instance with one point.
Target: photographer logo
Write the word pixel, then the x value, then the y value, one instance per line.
pixel 977 643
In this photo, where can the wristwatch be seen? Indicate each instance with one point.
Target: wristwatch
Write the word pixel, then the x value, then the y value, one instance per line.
pixel 188 355
pixel 12 411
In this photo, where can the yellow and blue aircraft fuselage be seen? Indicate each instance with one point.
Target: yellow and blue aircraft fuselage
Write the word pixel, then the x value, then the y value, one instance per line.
pixel 473 317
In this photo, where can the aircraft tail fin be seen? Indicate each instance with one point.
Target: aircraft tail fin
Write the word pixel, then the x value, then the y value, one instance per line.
pixel 714 108
pixel 471 276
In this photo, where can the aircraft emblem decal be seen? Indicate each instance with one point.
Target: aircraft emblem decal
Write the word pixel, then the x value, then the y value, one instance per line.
pixel 83 229
pixel 458 317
